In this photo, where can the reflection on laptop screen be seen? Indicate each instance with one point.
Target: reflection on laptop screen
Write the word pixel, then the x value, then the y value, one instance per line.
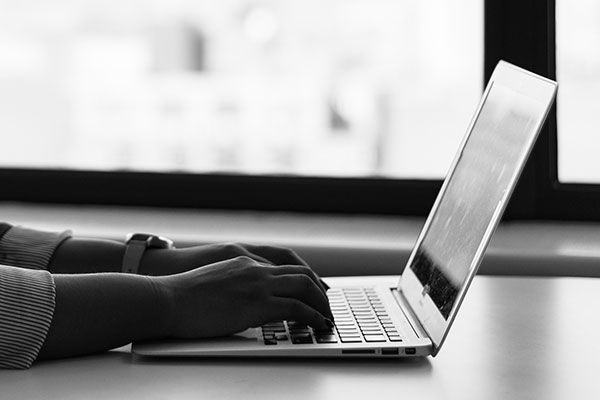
pixel 490 158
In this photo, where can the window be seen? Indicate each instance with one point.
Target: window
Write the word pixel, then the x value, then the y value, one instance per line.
pixel 331 88
pixel 334 106
pixel 578 71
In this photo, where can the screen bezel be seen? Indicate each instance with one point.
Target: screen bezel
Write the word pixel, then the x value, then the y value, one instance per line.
pixel 521 81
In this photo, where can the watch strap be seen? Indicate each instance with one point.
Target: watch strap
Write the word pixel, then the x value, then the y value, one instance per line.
pixel 133 256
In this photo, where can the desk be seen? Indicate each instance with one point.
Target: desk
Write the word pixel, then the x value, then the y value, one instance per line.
pixel 514 338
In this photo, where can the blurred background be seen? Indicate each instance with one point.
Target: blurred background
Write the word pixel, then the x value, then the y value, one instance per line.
pixel 303 87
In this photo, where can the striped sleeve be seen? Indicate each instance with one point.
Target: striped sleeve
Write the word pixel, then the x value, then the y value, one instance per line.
pixel 27 300
pixel 28 248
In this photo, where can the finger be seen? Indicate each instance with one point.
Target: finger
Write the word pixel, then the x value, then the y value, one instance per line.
pixel 299 269
pixel 276 255
pixel 232 250
pixel 255 257
pixel 301 287
pixel 295 310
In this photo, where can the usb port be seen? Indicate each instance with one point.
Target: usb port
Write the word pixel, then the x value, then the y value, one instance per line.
pixel 410 350
pixel 390 352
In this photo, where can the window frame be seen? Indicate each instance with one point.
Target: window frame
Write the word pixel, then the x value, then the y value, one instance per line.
pixel 526 36
pixel 221 191
pixel 564 201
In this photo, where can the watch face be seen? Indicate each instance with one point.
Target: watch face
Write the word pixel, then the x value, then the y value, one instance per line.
pixel 159 242
pixel 152 241
pixel 142 237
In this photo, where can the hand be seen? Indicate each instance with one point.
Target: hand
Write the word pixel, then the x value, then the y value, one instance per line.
pixel 233 295
pixel 172 261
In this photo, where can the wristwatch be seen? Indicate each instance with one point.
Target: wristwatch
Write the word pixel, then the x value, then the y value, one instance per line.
pixel 137 243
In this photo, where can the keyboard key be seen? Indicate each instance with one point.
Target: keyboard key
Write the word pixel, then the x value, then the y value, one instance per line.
pixel 301 339
pixel 348 329
pixel 342 315
pixel 326 339
pixel 353 336
pixel 362 310
pixel 375 338
pixel 364 315
pixel 345 323
pixel 366 319
pixel 367 322
pixel 348 332
pixel 273 330
pixel 353 339
pixel 299 332
pixel 364 330
pixel 324 331
pixel 368 325
pixel 395 338
pixel 270 342
pixel 282 336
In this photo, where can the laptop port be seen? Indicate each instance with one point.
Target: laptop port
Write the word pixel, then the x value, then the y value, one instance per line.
pixel 390 352
pixel 410 351
pixel 357 351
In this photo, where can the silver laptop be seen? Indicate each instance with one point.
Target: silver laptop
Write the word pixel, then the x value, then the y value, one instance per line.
pixel 414 317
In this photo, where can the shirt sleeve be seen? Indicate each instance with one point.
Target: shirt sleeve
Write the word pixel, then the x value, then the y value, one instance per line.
pixel 28 248
pixel 27 301
pixel 27 292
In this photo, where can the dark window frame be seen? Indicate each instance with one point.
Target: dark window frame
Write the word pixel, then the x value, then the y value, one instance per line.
pixel 524 32
pixel 518 31
pixel 221 191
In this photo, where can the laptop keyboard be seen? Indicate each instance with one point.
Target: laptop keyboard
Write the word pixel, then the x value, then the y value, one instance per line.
pixel 359 317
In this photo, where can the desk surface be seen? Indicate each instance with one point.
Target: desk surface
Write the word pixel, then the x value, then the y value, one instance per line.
pixel 514 338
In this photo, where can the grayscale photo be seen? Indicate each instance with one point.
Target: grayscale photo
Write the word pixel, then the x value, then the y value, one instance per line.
pixel 333 199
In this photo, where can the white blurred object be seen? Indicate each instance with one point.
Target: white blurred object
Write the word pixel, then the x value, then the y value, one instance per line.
pixel 312 87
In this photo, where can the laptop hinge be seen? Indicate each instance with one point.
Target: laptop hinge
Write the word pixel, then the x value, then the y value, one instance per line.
pixel 408 313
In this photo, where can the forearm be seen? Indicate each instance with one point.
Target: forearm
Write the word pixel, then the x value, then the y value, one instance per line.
pixel 87 255
pixel 98 312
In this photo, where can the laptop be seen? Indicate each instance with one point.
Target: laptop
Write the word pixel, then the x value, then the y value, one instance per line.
pixel 413 318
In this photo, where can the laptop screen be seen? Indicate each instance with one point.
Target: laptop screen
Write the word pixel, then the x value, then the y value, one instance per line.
pixel 486 168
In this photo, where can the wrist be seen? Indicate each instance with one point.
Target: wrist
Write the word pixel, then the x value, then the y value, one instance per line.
pixel 138 247
pixel 165 304
pixel 151 262
pixel 160 262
